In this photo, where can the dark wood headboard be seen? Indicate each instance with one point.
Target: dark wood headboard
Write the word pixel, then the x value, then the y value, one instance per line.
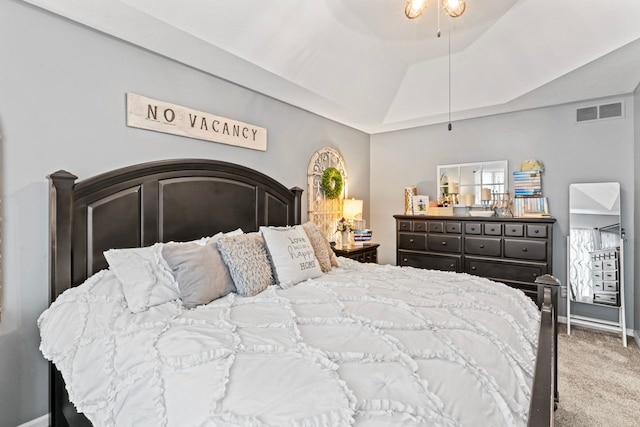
pixel 172 200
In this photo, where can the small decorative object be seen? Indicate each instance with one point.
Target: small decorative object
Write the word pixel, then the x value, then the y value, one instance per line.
pixel 420 205
pixel 332 183
pixel 409 193
pixel 532 165
pixel 344 227
pixel 503 206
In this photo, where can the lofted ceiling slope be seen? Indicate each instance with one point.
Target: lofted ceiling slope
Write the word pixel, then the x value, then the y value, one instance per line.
pixel 364 64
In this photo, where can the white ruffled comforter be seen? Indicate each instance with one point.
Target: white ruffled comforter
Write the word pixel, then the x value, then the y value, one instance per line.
pixel 369 345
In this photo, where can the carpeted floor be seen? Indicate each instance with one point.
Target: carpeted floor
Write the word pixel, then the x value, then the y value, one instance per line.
pixel 598 380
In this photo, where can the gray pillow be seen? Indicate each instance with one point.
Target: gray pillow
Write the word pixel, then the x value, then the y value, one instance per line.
pixel 249 266
pixel 201 273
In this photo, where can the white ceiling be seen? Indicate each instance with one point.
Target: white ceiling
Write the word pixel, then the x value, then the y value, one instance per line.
pixel 364 64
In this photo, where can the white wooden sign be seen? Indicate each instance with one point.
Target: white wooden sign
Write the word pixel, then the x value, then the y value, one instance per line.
pixel 160 116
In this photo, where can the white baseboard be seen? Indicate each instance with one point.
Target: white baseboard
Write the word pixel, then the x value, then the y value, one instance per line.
pixel 42 421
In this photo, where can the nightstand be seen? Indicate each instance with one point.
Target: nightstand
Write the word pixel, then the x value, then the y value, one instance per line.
pixel 366 253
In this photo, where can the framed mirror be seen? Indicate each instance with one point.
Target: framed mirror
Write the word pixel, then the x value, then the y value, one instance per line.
pixel 458 181
pixel 595 238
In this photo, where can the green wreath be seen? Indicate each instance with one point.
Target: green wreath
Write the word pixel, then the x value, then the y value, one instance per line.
pixel 332 183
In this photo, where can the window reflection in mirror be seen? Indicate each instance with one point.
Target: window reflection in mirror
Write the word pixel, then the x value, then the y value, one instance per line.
pixel 594 225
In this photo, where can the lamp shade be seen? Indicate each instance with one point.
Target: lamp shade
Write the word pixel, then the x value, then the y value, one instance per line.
pixel 352 209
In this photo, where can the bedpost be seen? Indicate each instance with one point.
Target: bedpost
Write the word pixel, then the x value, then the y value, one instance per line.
pixel 297 215
pixel 60 223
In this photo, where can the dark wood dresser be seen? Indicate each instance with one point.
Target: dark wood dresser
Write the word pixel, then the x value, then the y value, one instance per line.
pixel 513 251
pixel 366 253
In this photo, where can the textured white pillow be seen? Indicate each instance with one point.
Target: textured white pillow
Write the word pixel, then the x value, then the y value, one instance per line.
pixel 145 276
pixel 248 262
pixel 291 253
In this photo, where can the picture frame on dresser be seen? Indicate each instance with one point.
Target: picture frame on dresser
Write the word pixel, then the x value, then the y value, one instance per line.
pixel 420 205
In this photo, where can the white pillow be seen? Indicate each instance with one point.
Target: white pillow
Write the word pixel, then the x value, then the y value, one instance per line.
pixel 145 276
pixel 291 254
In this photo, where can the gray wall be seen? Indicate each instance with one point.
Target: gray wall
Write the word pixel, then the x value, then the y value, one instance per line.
pixel 587 152
pixel 636 246
pixel 62 106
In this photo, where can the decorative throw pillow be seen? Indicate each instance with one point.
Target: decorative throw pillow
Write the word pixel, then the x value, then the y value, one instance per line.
pixel 291 254
pixel 332 255
pixel 201 273
pixel 317 241
pixel 248 263
pixel 145 276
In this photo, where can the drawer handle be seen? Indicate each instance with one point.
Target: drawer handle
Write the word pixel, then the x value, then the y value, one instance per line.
pixel 493 229
pixel 534 275
pixel 473 229
pixel 513 230
pixel 404 260
pixel 524 249
pixel 410 240
pixel 452 265
pixel 481 246
pixel 473 268
pixel 536 231
pixel 444 243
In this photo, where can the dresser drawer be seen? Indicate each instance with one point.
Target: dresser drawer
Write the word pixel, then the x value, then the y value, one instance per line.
pixel 419 226
pixel 472 228
pixel 536 230
pixel 597 264
pixel 514 230
pixel 525 249
pixel 405 226
pixel 597 275
pixel 610 286
pixel 610 275
pixel 609 264
pixel 412 241
pixel 491 229
pixel 453 227
pixel 497 270
pixel 486 246
pixel 598 286
pixel 432 262
pixel 608 298
pixel 436 227
pixel 444 243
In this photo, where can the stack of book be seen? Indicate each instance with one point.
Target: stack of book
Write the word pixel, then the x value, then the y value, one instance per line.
pixel 362 237
pixel 527 183
pixel 531 207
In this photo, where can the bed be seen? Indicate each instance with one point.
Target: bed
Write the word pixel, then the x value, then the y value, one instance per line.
pixel 360 344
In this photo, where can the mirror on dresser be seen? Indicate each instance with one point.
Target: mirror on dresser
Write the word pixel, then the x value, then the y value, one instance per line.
pixel 594 247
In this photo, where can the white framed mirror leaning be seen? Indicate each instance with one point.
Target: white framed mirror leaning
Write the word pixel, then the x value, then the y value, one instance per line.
pixel 595 253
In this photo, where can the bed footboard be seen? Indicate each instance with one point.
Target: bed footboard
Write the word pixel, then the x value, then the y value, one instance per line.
pixel 544 394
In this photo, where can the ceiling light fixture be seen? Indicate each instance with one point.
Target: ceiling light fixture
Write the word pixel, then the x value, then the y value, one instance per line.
pixel 454 8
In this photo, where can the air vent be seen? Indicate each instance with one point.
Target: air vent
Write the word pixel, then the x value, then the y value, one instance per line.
pixel 599 112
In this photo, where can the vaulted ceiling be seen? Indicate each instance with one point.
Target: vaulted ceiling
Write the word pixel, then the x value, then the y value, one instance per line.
pixel 364 64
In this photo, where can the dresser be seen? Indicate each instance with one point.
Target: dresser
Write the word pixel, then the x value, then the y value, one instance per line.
pixel 365 253
pixel 606 278
pixel 514 251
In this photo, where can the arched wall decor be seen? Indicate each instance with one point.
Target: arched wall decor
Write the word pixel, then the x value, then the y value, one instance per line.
pixel 323 211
